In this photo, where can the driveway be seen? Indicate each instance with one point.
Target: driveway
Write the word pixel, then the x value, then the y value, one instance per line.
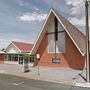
pixel 53 74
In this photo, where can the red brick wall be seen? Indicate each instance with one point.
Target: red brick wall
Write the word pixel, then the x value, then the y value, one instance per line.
pixel 71 58
pixel 1 58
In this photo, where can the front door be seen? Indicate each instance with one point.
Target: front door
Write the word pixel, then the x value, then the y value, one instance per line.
pixel 21 60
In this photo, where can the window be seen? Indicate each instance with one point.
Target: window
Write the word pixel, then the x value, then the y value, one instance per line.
pixel 51 43
pixel 31 59
pixel 9 58
pixel 56 37
pixel 60 44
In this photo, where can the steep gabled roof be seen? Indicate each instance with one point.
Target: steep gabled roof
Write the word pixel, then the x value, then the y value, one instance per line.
pixel 76 36
pixel 23 47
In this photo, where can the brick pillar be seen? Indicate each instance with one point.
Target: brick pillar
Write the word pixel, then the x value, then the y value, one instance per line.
pixel 1 58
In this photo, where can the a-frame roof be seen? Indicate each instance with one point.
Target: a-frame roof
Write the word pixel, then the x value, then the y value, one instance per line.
pixel 21 47
pixel 76 36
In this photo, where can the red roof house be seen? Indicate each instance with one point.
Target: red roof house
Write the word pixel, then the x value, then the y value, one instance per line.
pixel 14 52
pixel 18 47
pixel 23 47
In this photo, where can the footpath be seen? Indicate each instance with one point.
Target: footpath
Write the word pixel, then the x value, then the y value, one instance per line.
pixel 58 75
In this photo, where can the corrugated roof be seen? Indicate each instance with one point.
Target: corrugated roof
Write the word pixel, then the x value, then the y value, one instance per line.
pixel 23 47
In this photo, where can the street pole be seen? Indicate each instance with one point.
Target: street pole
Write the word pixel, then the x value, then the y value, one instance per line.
pixel 87 42
pixel 38 71
pixel 38 58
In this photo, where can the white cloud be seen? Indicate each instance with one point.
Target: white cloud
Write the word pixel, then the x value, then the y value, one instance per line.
pixel 27 3
pixel 77 21
pixel 78 12
pixel 73 2
pixel 33 17
pixel 35 8
pixel 77 6
pixel 20 3
pixel 4 43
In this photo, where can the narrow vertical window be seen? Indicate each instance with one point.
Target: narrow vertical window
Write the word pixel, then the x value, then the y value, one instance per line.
pixel 56 37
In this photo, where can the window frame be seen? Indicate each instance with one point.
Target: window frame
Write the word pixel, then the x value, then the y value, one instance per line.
pixel 54 47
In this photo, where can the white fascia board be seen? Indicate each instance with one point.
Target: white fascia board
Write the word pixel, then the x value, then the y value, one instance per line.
pixel 16 47
pixel 64 28
pixel 68 33
pixel 7 47
pixel 1 52
pixel 40 32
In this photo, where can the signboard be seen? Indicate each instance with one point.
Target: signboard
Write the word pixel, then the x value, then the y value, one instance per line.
pixel 38 56
pixel 56 60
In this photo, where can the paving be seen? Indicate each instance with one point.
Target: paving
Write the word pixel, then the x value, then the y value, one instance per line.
pixel 11 82
pixel 59 75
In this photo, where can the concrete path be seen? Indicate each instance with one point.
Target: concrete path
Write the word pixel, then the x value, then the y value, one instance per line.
pixel 65 75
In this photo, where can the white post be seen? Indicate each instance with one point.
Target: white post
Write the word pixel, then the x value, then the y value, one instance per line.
pixel 38 57
pixel 18 58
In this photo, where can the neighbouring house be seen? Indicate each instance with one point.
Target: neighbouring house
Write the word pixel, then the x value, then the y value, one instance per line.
pixel 15 51
pixel 1 57
pixel 59 44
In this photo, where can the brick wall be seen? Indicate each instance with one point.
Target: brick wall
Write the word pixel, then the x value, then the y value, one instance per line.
pixel 71 58
pixel 1 58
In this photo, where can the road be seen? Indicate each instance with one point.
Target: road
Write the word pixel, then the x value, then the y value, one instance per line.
pixel 10 82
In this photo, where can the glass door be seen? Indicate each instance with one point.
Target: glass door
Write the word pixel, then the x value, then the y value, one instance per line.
pixel 21 60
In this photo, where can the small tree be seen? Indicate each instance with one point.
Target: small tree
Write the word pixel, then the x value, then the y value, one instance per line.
pixel 2 49
pixel 26 57
pixel 26 67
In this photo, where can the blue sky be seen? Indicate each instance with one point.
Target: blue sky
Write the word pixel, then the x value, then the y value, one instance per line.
pixel 21 20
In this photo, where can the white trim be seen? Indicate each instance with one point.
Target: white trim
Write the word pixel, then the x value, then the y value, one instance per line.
pixel 40 31
pixel 1 52
pixel 16 47
pixel 11 62
pixel 63 27
pixel 69 34
pixel 7 47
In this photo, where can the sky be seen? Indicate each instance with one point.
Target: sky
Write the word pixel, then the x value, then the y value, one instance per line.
pixel 21 20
